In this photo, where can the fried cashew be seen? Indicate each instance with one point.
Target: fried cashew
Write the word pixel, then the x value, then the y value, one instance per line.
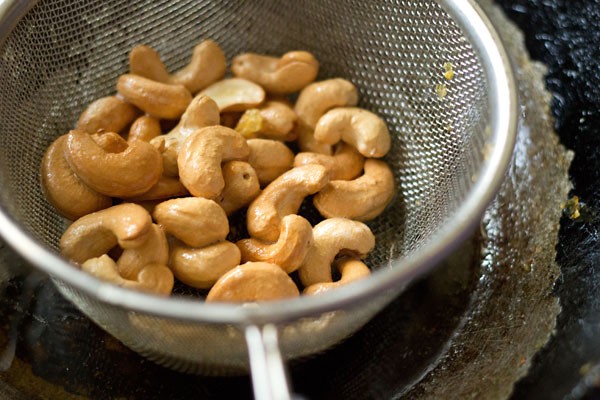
pixel 160 100
pixel 269 158
pixel 253 282
pixel 346 162
pixel 152 278
pixel 154 250
pixel 332 237
pixel 207 66
pixel 282 197
pixel 165 188
pixel 195 221
pixel 350 270
pixel 361 199
pixel 127 225
pixel 200 157
pixel 288 251
pixel 364 130
pixel 110 142
pixel 273 120
pixel 124 174
pixel 202 267
pixel 235 94
pixel 201 112
pixel 109 113
pixel 314 101
pixel 71 197
pixel 241 186
pixel 144 128
pixel 284 75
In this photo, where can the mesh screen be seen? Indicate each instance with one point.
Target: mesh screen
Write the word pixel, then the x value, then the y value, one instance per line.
pixel 64 54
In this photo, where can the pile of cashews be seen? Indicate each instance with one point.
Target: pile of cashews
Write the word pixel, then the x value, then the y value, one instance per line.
pixel 149 208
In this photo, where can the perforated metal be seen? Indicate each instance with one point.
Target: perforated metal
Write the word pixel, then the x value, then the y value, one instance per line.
pixel 63 54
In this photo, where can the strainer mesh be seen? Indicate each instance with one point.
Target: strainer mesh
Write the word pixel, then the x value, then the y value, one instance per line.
pixel 65 54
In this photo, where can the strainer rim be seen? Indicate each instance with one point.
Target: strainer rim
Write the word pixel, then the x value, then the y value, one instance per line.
pixel 496 63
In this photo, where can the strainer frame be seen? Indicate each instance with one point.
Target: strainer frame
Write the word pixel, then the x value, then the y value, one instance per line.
pixel 503 123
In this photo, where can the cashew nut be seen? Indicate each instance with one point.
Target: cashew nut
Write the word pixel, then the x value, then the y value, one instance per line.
pixel 314 101
pixel 127 173
pixel 202 267
pixel 207 66
pixel 165 188
pixel 201 155
pixel 95 234
pixel 201 112
pixel 241 186
pixel 153 278
pixel 269 158
pixel 364 130
pixel 274 120
pixel 350 270
pixel 160 100
pixel 251 282
pixel 108 113
pixel 235 94
pixel 346 162
pixel 195 221
pixel 288 252
pixel 361 199
pixel 330 238
pixel 110 142
pixel 64 190
pixel 144 128
pixel 144 61
pixel 284 75
pixel 282 197
pixel 154 250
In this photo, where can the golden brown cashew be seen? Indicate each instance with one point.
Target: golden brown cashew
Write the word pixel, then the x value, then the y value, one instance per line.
pixel 165 188
pixel 288 252
pixel 64 190
pixel 95 234
pixel 110 142
pixel 284 75
pixel 200 268
pixel 207 66
pixel 269 158
pixel 235 94
pixel 361 199
pixel 274 120
pixel 282 197
pixel 345 163
pixel 241 186
pixel 144 61
pixel 350 270
pixel 201 112
pixel 201 156
pixel 160 100
pixel 144 128
pixel 127 173
pixel 153 278
pixel 253 281
pixel 314 101
pixel 195 221
pixel 330 238
pixel 154 250
pixel 108 113
pixel 366 131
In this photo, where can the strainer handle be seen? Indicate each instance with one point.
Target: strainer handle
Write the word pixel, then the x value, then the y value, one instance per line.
pixel 269 372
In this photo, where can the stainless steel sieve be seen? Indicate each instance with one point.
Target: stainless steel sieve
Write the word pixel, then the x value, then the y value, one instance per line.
pixel 452 141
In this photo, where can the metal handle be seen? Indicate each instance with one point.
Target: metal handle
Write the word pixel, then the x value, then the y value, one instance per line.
pixel 269 374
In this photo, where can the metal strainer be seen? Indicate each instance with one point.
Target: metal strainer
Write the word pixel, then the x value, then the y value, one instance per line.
pixel 452 140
